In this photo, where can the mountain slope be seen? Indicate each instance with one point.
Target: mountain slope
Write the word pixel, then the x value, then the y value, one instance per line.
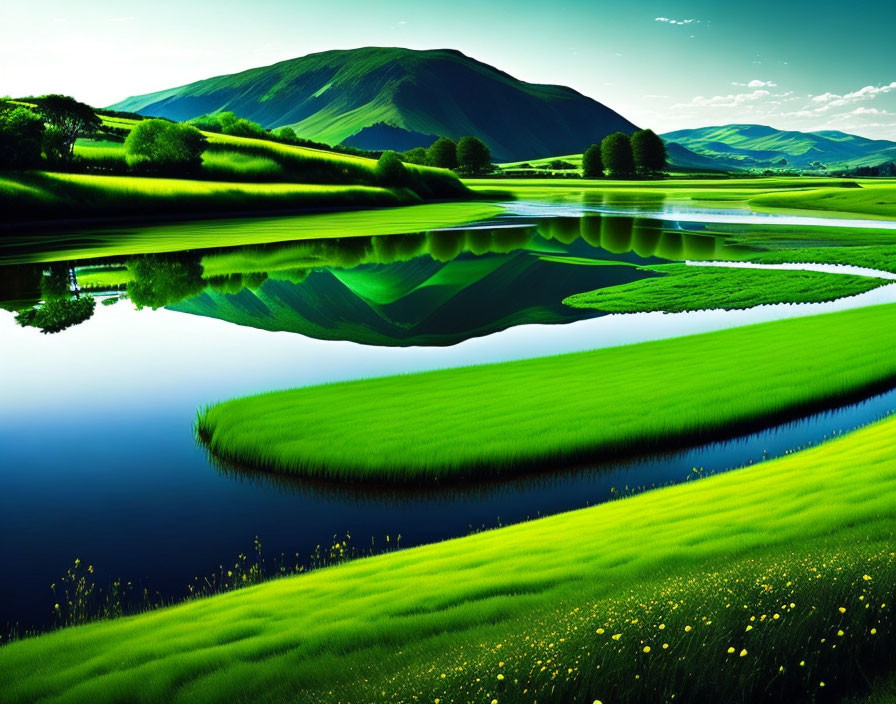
pixel 762 146
pixel 333 95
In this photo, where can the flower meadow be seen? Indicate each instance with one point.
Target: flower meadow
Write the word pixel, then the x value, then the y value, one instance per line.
pixel 799 628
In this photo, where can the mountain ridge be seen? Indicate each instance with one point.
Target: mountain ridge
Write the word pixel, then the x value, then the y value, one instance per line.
pixel 331 96
pixel 756 146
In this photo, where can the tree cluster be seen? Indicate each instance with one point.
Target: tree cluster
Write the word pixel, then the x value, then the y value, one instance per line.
pixel 48 126
pixel 622 156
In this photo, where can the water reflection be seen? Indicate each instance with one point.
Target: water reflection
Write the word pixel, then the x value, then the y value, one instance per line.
pixel 433 288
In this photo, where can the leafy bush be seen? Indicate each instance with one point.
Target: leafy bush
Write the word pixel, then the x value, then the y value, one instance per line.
pixel 21 134
pixel 159 146
pixel 391 172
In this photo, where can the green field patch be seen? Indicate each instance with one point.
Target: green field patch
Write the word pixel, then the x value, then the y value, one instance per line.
pixel 491 420
pixel 682 287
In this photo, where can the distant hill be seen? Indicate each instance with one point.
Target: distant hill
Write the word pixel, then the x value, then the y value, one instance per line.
pixel 339 96
pixel 760 146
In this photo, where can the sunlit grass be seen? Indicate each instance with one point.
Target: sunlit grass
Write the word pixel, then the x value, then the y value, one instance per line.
pixel 503 418
pixel 386 628
pixel 874 199
pixel 882 257
pixel 681 288
pixel 55 195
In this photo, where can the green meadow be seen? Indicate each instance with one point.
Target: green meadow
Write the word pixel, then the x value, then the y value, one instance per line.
pixel 564 409
pixel 681 287
pixel 777 575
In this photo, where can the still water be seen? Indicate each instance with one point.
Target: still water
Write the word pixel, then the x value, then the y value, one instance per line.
pixel 97 455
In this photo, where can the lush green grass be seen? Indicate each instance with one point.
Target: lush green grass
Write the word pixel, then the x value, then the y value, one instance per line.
pixel 44 196
pixel 224 165
pixel 500 418
pixel 872 200
pixel 386 628
pixel 882 257
pixel 681 287
pixel 231 232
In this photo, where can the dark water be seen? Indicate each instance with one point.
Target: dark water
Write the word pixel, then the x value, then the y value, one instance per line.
pixel 97 455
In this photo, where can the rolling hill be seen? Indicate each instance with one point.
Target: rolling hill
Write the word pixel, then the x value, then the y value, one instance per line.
pixel 759 146
pixel 350 95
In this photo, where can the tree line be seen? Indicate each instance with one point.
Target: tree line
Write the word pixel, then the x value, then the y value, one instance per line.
pixel 622 156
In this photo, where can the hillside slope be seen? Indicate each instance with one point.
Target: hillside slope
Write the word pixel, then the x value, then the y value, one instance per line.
pixel 762 146
pixel 333 95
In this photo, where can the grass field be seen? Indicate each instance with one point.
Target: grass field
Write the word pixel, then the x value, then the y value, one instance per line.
pixel 702 567
pixel 682 287
pixel 874 199
pixel 882 257
pixel 564 409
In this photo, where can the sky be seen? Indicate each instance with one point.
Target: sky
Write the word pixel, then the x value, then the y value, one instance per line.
pixel 791 64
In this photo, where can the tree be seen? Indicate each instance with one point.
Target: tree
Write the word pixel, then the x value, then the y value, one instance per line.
pixel 286 134
pixel 417 155
pixel 71 118
pixel 649 152
pixel 159 281
pixel 390 171
pixel 159 145
pixel 21 136
pixel 592 165
pixel 473 156
pixel 442 153
pixel 616 154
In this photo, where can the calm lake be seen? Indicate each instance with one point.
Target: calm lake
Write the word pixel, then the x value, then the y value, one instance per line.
pixel 98 460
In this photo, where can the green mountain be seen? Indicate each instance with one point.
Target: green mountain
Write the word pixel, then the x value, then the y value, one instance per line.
pixel 759 146
pixel 334 95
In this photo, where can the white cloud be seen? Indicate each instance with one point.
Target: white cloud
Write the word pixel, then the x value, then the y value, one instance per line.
pixel 728 101
pixel 756 83
pixel 668 20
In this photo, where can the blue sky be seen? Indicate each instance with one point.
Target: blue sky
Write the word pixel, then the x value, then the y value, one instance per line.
pixel 791 63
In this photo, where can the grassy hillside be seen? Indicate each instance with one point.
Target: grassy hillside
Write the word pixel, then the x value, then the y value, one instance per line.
pixel 429 427
pixel 235 158
pixel 42 196
pixel 728 589
pixel 761 146
pixel 333 95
